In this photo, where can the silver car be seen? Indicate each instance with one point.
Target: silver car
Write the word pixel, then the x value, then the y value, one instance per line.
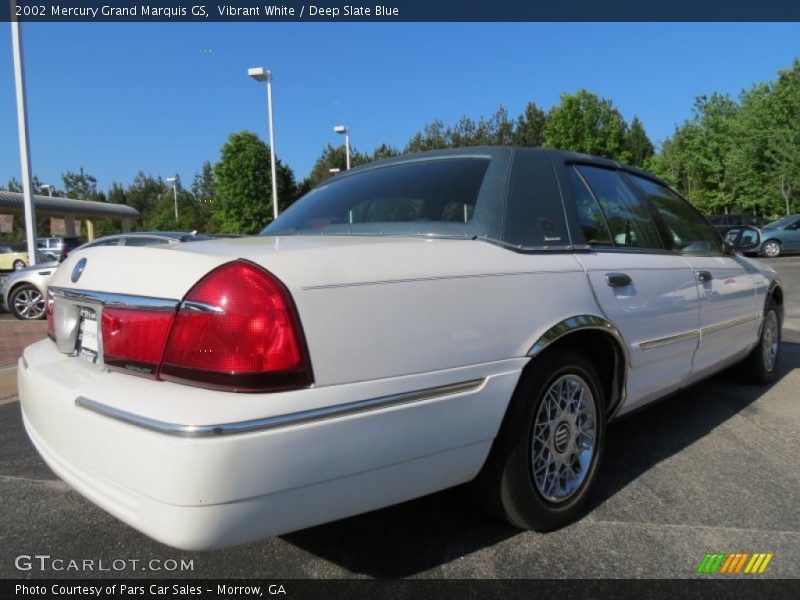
pixel 23 292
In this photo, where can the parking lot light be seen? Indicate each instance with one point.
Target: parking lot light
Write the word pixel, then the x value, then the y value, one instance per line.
pixel 346 131
pixel 173 181
pixel 49 188
pixel 263 75
pixel 24 146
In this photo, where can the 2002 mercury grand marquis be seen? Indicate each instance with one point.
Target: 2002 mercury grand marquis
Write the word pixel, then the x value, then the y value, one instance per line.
pixel 413 324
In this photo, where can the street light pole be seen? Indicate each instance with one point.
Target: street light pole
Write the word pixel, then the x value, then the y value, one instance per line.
pixel 262 74
pixel 173 181
pixel 24 148
pixel 346 132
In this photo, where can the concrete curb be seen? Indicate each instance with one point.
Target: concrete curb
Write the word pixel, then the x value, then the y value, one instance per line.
pixel 8 382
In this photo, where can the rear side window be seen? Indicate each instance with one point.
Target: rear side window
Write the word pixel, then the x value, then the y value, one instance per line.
pixel 420 197
pixel 630 221
pixel 593 223
pixel 688 229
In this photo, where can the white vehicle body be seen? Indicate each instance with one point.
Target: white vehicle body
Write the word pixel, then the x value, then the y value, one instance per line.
pixel 416 346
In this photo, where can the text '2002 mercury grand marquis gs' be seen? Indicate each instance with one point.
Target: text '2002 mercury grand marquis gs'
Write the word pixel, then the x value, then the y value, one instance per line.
pixel 476 315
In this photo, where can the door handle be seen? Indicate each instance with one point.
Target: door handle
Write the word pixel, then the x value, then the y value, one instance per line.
pixel 618 279
pixel 704 276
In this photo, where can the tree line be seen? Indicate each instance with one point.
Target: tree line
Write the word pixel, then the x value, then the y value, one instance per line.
pixel 732 155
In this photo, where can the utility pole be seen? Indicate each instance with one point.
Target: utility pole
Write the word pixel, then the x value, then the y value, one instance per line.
pixel 24 146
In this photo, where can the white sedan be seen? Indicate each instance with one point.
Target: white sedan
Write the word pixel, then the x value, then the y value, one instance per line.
pixel 476 315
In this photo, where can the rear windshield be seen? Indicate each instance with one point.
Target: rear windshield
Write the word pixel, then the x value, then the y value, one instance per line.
pixel 436 197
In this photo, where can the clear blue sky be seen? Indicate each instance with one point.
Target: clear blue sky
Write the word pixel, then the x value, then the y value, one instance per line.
pixel 116 98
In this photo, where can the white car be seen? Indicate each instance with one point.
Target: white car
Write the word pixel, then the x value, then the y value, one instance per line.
pixel 476 315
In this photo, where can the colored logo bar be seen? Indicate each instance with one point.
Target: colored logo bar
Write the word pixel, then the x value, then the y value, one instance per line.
pixel 733 563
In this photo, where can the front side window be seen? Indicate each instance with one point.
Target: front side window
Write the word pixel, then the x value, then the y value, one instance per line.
pixel 629 220
pixel 422 197
pixel 690 232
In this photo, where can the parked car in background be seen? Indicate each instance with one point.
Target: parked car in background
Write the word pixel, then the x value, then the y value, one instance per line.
pixel 723 223
pixel 473 315
pixel 12 258
pixel 781 236
pixel 57 247
pixel 23 293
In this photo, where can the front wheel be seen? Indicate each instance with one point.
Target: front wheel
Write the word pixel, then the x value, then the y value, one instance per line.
pixel 761 364
pixel 546 457
pixel 27 303
pixel 771 248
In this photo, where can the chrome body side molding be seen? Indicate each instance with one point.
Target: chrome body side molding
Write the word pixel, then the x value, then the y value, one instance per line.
pixel 697 333
pixel 729 324
pixel 673 339
pixel 280 421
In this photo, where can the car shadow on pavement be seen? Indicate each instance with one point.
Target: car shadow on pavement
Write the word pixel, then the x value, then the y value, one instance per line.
pixel 422 534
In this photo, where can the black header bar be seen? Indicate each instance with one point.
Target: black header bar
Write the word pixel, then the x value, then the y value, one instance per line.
pixel 64 11
pixel 733 588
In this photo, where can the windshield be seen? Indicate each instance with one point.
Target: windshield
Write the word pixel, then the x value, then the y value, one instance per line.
pixel 782 222
pixel 431 197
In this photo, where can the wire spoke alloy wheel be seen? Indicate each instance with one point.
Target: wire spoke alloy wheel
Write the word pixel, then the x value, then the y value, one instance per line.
pixel 770 337
pixel 563 440
pixel 29 304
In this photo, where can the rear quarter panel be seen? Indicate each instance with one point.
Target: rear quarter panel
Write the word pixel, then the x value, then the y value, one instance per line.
pixel 458 304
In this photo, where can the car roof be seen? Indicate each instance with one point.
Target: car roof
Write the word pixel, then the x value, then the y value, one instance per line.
pixel 556 156
pixel 174 235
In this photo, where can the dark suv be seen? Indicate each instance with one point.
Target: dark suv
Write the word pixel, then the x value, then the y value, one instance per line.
pixel 57 247
pixel 723 223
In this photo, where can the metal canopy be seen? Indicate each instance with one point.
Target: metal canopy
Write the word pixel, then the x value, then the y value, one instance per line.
pixel 46 205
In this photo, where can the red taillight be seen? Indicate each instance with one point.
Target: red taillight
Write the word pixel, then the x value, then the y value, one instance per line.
pixel 237 329
pixel 134 339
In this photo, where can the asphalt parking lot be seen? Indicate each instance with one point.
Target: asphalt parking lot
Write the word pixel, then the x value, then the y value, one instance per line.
pixel 711 469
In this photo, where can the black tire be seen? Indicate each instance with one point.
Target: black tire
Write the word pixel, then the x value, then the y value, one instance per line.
pixel 18 305
pixel 506 485
pixel 755 368
pixel 19 264
pixel 766 249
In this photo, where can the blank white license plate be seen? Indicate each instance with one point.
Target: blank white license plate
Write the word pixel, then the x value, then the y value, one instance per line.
pixel 88 347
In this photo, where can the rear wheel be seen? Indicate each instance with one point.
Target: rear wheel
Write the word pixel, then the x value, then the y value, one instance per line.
pixel 546 456
pixel 771 248
pixel 761 364
pixel 19 264
pixel 26 302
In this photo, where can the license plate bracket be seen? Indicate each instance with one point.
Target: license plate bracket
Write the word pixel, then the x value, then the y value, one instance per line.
pixel 87 346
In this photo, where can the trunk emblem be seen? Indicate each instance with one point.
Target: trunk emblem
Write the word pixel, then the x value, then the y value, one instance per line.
pixel 78 270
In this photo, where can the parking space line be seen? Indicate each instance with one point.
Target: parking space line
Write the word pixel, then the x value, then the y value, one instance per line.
pixel 692 526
